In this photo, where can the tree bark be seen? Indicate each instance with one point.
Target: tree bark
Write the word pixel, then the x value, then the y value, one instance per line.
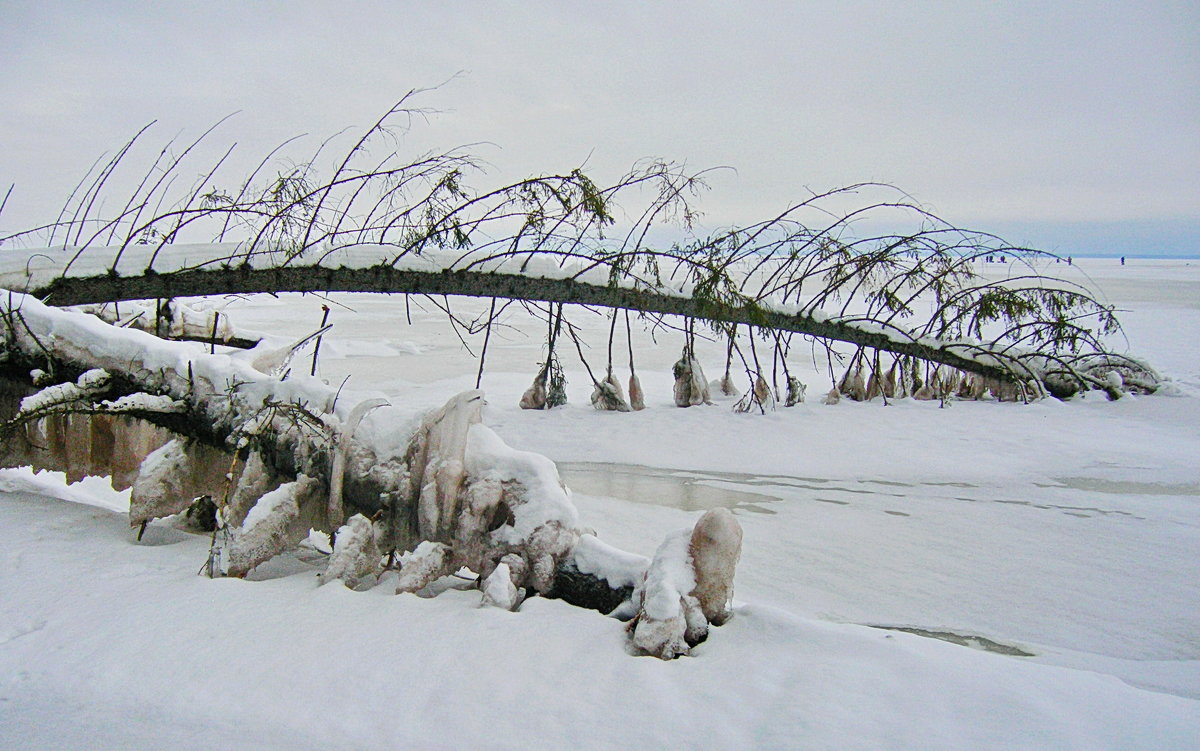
pixel 81 290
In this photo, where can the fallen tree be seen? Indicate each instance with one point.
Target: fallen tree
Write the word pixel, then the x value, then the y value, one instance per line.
pixel 967 356
pixel 862 264
pixel 262 459
pixel 265 460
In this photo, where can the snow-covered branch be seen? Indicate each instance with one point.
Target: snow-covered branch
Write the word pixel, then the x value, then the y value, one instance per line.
pixel 274 459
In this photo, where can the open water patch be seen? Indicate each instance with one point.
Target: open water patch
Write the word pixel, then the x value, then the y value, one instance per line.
pixel 703 490
pixel 1125 487
pixel 682 489
pixel 963 640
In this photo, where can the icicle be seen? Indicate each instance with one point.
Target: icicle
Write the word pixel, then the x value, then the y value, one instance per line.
pixel 436 467
pixel 950 384
pixel 334 513
pixel 102 441
pixel 874 386
pixel 966 387
pixel 889 383
pixel 914 377
pixel 136 439
pixel 637 399
pixel 726 386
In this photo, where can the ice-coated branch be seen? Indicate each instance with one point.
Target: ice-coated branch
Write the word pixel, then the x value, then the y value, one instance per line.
pixel 267 460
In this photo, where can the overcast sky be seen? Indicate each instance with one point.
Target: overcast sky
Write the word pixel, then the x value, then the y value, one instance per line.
pixel 1072 126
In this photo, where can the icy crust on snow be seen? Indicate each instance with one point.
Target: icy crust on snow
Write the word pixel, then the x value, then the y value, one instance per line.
pixel 545 498
pixel 615 566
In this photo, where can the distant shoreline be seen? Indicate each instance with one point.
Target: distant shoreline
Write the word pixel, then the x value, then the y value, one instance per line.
pixel 1139 257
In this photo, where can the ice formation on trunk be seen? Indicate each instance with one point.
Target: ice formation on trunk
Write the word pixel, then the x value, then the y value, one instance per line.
pixel 535 396
pixel 428 562
pixel 356 558
pixel 268 452
pixel 84 446
pixel 177 319
pixel 272 526
pixel 500 589
pixel 715 547
pixel 691 388
pixel 254 481
pixel 726 385
pixel 668 621
pixel 852 384
pixel 436 464
pixel 688 585
pixel 637 399
pixel 762 393
pixel 173 476
pixel 795 392
pixel 608 395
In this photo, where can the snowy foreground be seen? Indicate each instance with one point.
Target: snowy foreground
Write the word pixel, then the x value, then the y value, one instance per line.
pixel 983 576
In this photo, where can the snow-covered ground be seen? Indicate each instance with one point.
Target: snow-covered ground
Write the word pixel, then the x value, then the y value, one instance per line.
pixel 1060 542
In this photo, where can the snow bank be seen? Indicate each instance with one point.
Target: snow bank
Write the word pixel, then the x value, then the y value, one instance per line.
pixel 131 656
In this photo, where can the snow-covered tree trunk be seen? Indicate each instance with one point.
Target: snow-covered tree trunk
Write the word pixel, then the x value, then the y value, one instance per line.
pixel 272 453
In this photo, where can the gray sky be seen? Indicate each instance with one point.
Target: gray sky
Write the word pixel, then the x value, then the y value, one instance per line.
pixel 1072 126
